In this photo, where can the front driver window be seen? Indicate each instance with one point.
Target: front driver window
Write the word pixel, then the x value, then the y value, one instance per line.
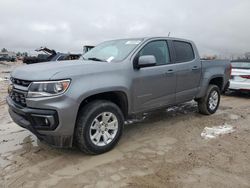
pixel 159 49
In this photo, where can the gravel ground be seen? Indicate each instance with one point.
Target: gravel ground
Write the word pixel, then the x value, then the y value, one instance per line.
pixel 165 149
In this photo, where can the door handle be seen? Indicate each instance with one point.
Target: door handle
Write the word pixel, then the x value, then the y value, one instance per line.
pixel 170 71
pixel 195 68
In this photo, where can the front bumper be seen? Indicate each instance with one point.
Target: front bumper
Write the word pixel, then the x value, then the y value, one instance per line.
pixel 41 122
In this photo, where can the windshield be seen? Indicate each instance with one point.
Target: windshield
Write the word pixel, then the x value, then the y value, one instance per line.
pixel 109 51
pixel 241 65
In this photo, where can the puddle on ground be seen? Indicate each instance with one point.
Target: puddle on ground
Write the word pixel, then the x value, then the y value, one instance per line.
pixel 13 142
pixel 13 138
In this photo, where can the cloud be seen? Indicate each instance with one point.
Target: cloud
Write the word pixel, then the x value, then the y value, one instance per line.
pixel 43 28
pixel 47 27
pixel 217 27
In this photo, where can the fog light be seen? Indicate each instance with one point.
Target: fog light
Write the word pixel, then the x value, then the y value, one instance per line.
pixel 44 122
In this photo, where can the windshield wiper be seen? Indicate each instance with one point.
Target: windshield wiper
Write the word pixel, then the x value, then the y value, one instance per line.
pixel 96 59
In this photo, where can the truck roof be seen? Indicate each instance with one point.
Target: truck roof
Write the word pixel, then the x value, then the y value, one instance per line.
pixel 171 38
pixel 154 37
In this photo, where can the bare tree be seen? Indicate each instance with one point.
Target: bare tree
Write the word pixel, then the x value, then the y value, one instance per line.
pixel 4 50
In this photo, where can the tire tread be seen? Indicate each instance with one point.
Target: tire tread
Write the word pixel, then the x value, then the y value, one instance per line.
pixel 202 102
pixel 83 115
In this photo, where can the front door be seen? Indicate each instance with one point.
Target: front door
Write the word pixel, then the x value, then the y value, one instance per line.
pixel 154 86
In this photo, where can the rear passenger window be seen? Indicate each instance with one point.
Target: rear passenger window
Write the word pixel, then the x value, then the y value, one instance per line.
pixel 184 51
pixel 61 58
pixel 159 49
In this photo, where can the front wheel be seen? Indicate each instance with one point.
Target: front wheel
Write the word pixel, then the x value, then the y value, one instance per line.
pixel 99 127
pixel 210 102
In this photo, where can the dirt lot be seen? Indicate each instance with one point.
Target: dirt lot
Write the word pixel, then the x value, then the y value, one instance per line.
pixel 165 149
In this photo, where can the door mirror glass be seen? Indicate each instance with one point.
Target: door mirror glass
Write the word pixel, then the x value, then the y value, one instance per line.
pixel 146 61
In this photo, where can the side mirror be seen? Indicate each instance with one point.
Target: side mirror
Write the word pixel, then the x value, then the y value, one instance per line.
pixel 146 61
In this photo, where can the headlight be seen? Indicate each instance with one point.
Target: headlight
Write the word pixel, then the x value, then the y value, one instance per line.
pixel 48 89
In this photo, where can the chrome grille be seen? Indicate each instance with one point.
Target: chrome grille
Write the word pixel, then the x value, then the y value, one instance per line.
pixel 18 97
pixel 19 91
pixel 24 83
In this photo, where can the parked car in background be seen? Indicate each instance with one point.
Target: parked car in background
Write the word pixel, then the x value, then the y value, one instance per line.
pixel 7 56
pixel 240 76
pixel 50 55
pixel 87 100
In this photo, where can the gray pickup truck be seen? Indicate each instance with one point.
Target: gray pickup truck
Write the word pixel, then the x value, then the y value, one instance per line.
pixel 87 101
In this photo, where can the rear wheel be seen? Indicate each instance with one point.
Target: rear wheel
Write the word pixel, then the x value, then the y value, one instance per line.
pixel 99 127
pixel 210 102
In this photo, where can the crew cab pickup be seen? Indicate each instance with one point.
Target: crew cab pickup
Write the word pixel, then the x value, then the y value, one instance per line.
pixel 86 101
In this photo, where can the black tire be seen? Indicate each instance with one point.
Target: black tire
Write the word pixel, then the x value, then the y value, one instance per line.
pixel 203 103
pixel 84 120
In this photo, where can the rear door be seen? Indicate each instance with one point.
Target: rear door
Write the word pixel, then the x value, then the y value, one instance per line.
pixel 188 70
pixel 154 86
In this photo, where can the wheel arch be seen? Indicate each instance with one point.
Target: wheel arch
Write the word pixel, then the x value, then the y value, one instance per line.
pixel 117 96
pixel 217 80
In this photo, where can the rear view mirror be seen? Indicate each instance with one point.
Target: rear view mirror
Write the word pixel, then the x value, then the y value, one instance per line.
pixel 146 61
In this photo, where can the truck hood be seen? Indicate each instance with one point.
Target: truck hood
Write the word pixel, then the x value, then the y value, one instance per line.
pixel 59 70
